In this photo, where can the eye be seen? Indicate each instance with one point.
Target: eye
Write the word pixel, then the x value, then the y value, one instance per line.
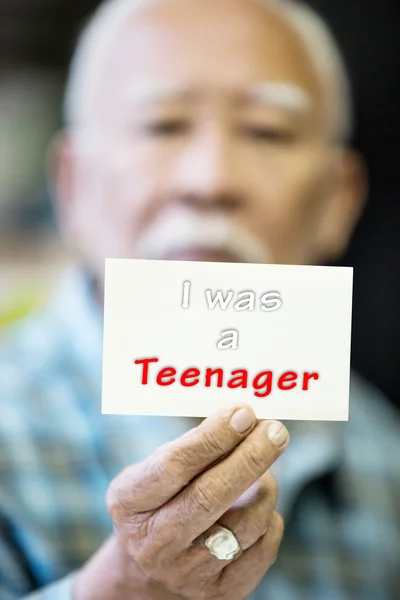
pixel 166 127
pixel 270 134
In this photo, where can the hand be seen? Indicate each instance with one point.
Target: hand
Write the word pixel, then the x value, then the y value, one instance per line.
pixel 165 507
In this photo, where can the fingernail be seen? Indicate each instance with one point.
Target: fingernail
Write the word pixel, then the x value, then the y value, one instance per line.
pixel 242 420
pixel 277 433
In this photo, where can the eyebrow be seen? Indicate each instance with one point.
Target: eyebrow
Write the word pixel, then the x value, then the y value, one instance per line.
pixel 285 95
pixel 152 92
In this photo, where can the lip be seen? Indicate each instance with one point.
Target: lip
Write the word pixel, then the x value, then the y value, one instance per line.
pixel 202 255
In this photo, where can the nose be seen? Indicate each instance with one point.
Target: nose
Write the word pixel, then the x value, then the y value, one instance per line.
pixel 207 172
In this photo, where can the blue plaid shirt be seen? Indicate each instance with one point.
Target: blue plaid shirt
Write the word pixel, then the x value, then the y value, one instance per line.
pixel 339 482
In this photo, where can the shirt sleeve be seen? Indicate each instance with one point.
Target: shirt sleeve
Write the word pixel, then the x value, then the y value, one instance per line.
pixel 61 590
pixel 16 583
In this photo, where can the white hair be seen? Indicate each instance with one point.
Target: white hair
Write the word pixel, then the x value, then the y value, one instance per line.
pixel 98 36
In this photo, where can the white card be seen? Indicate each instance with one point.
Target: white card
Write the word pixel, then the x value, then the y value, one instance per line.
pixel 281 343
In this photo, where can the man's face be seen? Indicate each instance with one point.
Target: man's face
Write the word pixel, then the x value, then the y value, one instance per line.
pixel 208 139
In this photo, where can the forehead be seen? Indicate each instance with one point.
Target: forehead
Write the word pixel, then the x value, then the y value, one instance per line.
pixel 212 45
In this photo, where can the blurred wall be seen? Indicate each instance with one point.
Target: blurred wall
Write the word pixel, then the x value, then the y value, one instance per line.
pixel 368 33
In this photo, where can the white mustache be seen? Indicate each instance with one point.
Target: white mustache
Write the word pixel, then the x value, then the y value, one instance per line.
pixel 175 233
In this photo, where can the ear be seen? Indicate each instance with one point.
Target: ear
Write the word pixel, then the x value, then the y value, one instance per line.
pixel 61 178
pixel 344 207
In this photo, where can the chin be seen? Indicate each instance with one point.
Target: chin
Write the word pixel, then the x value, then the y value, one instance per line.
pixel 202 255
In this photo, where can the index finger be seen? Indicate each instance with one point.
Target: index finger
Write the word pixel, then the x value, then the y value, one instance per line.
pixel 153 482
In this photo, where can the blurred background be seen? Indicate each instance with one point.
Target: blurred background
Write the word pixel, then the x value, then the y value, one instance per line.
pixel 36 41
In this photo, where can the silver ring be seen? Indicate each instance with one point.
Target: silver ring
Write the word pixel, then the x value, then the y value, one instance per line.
pixel 223 544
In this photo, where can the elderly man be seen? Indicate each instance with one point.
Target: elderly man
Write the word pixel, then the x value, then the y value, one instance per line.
pixel 195 131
